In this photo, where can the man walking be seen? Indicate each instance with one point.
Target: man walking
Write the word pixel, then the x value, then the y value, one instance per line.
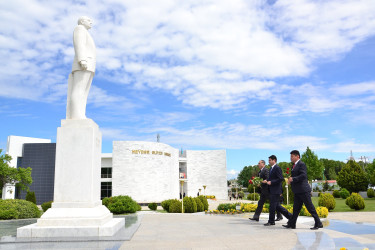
pixel 274 182
pixel 302 192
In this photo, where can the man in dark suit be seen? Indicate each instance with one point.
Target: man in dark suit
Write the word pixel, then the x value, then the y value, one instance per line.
pixel 302 192
pixel 264 194
pixel 274 182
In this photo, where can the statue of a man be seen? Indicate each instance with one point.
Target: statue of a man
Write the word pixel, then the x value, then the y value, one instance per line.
pixel 83 70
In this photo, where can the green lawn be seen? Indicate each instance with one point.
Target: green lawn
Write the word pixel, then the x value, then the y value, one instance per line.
pixel 342 207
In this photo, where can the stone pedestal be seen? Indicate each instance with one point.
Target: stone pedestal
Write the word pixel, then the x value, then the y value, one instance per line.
pixel 77 210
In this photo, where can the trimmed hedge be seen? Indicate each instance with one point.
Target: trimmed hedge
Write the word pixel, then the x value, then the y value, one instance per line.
pixel 18 209
pixel 344 193
pixel 355 201
pixel 370 193
pixel 336 193
pixel 46 205
pixel 226 206
pixel 121 204
pixel 190 206
pixel 253 197
pixel 327 200
pixel 204 201
pixel 30 196
pixel 200 206
pixel 152 206
pixel 175 206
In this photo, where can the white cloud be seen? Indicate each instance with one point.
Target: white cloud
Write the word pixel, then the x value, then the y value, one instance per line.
pixel 208 54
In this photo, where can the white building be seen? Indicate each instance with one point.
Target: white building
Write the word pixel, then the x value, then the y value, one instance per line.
pixel 151 171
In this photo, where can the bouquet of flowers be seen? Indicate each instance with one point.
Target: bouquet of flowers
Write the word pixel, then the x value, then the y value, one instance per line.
pixel 256 181
pixel 287 175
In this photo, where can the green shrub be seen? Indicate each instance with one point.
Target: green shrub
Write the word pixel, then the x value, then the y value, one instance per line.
pixel 241 194
pixel 344 193
pixel 165 204
pixel 121 204
pixel 352 177
pixel 190 206
pixel 327 200
pixel 336 193
pixel 226 206
pixel 253 197
pixel 355 201
pixel 175 206
pixel 152 206
pixel 200 206
pixel 370 193
pixel 204 201
pixel 46 205
pixel 30 196
pixel 18 209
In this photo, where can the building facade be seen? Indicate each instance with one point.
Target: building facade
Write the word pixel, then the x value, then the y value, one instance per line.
pixel 146 171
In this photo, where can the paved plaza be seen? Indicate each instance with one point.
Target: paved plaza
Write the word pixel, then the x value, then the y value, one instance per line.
pixel 151 230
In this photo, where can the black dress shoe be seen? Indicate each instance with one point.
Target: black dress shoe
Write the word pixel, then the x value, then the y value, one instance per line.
pixel 289 226
pixel 256 219
pixel 317 227
pixel 279 219
pixel 269 224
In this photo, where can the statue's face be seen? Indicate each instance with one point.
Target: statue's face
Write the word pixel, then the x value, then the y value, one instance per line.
pixel 87 22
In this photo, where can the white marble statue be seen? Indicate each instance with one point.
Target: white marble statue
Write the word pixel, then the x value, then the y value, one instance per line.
pixel 83 70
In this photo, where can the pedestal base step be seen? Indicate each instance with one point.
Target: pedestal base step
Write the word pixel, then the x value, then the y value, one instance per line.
pixel 35 231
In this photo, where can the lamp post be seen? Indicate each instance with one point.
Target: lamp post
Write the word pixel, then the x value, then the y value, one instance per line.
pixel 182 190
pixel 204 186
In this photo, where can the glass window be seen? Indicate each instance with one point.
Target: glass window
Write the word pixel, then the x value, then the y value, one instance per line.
pixel 106 190
pixel 106 173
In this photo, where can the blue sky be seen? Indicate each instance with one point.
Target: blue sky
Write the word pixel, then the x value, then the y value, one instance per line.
pixel 253 77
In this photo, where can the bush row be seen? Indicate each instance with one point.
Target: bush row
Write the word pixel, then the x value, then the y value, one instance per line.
pixel 18 209
pixel 191 205
pixel 121 204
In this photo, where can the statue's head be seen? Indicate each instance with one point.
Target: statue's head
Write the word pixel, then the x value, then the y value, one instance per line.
pixel 85 21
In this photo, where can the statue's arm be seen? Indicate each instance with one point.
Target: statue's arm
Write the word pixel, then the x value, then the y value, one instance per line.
pixel 79 41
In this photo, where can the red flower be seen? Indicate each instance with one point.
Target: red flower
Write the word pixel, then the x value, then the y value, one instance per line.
pixel 287 172
pixel 253 178
pixel 287 168
pixel 250 181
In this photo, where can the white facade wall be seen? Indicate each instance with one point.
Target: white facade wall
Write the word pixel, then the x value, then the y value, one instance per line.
pixel 145 171
pixel 208 168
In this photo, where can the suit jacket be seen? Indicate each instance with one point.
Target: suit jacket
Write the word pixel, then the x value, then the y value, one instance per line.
pixel 300 182
pixel 276 178
pixel 84 48
pixel 264 175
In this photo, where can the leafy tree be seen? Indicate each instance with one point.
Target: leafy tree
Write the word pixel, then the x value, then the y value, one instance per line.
pixel 352 177
pixel 370 170
pixel 314 166
pixel 246 174
pixel 332 168
pixel 21 176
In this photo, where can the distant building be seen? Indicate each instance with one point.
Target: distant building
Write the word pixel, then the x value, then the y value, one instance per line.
pixel 146 171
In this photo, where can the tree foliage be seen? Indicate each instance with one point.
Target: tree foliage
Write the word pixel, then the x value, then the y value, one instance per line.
pixel 370 169
pixel 352 177
pixel 314 166
pixel 246 174
pixel 21 176
pixel 332 168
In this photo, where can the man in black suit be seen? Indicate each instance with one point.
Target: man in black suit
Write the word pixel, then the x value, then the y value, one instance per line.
pixel 274 182
pixel 264 194
pixel 302 192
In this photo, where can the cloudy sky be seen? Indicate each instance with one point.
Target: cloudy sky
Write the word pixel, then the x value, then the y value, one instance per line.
pixel 253 77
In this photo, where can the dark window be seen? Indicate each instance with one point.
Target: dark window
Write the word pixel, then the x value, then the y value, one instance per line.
pixel 106 190
pixel 106 173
